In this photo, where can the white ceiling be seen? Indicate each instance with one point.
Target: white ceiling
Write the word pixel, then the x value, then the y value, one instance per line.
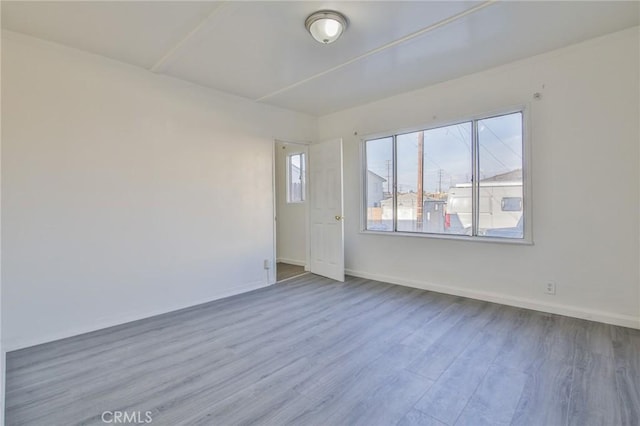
pixel 261 50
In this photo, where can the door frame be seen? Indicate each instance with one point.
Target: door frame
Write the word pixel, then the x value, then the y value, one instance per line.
pixel 305 145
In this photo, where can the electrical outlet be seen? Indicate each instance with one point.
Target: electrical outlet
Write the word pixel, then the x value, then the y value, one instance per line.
pixel 267 264
pixel 550 288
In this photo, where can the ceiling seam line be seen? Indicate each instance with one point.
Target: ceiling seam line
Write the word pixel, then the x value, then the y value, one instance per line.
pixel 176 47
pixel 381 48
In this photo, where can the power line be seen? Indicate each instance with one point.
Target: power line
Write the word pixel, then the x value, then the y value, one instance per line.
pixel 503 142
pixel 489 152
pixel 495 158
pixel 461 138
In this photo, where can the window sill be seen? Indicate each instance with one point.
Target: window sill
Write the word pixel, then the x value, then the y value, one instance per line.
pixel 495 240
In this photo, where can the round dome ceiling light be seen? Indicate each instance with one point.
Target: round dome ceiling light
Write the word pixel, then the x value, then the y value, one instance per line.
pixel 326 26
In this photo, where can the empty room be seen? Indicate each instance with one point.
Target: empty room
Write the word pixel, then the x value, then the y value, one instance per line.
pixel 320 213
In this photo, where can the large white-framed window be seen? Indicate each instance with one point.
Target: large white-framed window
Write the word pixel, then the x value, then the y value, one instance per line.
pixel 462 180
pixel 296 186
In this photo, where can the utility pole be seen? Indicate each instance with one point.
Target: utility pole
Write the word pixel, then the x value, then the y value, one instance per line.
pixel 420 193
pixel 439 181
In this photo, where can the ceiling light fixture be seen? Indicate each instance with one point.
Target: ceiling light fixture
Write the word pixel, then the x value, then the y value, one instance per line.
pixel 326 26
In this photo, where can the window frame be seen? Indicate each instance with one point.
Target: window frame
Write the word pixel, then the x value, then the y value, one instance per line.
pixel 303 178
pixel 473 118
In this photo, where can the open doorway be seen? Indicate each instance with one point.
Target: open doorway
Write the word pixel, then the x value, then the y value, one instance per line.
pixel 292 194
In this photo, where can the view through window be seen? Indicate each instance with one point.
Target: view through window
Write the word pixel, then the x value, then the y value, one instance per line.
pixel 461 179
pixel 295 178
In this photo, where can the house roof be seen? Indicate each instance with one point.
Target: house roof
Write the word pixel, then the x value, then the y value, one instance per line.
pixel 513 175
pixel 376 175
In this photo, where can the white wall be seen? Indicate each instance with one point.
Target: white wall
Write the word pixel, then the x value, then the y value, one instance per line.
pixel 2 351
pixel 291 237
pixel 125 193
pixel 585 153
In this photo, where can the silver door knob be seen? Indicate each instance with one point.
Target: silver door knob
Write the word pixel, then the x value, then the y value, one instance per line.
pixel 338 217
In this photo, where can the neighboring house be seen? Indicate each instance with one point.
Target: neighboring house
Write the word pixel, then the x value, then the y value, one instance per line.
pixel 375 192
pixel 296 184
pixel 407 207
pixel 432 213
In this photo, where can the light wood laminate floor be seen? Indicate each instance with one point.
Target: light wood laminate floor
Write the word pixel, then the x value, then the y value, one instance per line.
pixel 311 351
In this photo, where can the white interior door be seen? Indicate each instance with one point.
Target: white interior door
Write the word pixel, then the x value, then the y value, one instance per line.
pixel 325 213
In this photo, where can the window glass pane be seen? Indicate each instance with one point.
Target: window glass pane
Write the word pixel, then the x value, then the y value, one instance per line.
pixel 430 164
pixel 409 164
pixel 379 153
pixel 435 178
pixel 295 174
pixel 447 157
pixel 500 173
pixel 302 177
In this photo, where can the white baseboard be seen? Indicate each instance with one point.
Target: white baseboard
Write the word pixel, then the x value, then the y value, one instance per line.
pixel 553 308
pixel 291 261
pixel 21 343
